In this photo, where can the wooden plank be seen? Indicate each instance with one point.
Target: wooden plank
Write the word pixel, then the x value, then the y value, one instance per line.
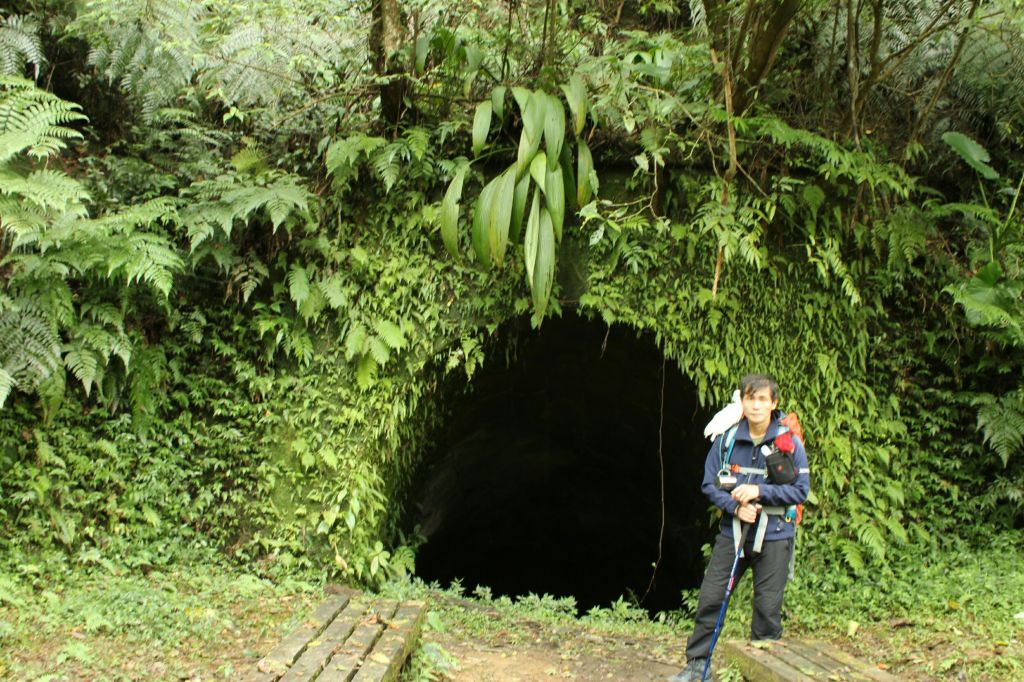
pixel 320 650
pixel 820 657
pixel 761 665
pixel 811 663
pixel 793 661
pixel 385 661
pixel 281 657
pixel 863 667
pixel 349 656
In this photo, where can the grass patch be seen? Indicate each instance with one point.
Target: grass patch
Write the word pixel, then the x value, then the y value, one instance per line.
pixel 206 621
pixel 956 614
pixel 952 615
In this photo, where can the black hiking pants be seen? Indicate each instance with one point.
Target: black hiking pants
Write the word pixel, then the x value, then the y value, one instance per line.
pixel 770 568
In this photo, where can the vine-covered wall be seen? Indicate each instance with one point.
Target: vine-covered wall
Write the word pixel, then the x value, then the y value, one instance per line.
pixel 229 316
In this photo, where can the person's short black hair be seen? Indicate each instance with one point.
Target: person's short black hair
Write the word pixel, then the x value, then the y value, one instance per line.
pixel 755 382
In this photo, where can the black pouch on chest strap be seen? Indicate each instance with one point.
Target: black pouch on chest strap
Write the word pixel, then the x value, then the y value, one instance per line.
pixel 781 467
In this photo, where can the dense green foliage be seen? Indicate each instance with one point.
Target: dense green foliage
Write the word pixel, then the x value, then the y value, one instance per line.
pixel 204 620
pixel 229 315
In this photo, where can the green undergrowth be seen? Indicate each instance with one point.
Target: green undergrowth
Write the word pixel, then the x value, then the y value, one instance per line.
pixel 197 620
pixel 513 624
pixel 955 613
pixel 951 614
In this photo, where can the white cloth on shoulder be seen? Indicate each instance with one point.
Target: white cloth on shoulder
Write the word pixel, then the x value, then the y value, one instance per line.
pixel 725 417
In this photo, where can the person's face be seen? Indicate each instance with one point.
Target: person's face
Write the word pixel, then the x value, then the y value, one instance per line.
pixel 758 406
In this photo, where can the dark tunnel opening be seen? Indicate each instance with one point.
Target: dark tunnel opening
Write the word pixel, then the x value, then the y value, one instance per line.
pixel 548 479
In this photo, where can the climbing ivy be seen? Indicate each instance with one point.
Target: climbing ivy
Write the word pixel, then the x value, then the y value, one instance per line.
pixel 251 261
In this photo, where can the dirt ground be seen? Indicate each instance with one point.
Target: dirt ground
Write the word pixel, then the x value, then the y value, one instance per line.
pixel 560 653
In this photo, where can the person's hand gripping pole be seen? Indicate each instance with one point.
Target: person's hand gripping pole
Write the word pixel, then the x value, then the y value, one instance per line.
pixel 746 496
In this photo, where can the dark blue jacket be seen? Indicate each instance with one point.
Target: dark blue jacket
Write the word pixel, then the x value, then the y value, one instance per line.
pixel 746 455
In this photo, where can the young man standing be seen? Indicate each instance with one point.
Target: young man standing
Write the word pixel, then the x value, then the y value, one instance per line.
pixel 736 480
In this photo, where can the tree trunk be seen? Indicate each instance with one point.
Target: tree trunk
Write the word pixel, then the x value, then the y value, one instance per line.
pixel 386 35
pixel 752 46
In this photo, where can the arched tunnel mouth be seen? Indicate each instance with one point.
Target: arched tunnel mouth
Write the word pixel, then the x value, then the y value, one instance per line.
pixel 557 466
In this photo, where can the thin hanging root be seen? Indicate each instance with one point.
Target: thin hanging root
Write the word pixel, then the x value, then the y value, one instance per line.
pixel 718 274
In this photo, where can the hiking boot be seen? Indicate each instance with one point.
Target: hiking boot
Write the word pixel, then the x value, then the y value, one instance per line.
pixel 692 672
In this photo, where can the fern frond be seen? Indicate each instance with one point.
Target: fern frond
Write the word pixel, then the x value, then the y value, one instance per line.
pixel 342 155
pixel 388 161
pixel 870 536
pixel 103 313
pixel 19 45
pixel 246 276
pixel 147 47
pixel 49 190
pixel 403 561
pixel 29 345
pixel 851 552
pixel 127 220
pixel 33 120
pixel 245 69
pixel 84 364
pixel 6 385
pixel 97 338
pixel 835 160
pixel 1001 422
pixel 249 160
pixel 147 372
pixel 144 258
pixel 239 198
pixel 907 235
pixel 300 345
pixel 418 140
pixel 298 284
pixel 19 220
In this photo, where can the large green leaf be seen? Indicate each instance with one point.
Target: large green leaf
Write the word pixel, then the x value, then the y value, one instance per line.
pixel 501 214
pixel 519 208
pixel 973 153
pixel 422 51
pixel 554 128
pixel 539 169
pixel 521 96
pixel 534 116
pixel 568 179
pixel 584 167
pixel 544 268
pixel 533 131
pixel 481 126
pixel 498 101
pixel 450 213
pixel 481 224
pixel 576 96
pixel 554 200
pixel 532 236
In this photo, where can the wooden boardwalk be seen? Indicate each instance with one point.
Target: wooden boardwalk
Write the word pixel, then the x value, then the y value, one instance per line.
pixel 348 637
pixel 798 661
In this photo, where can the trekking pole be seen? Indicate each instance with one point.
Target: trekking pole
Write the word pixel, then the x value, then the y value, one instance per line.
pixel 725 602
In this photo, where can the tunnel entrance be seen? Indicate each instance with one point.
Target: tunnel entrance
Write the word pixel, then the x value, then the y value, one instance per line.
pixel 547 478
